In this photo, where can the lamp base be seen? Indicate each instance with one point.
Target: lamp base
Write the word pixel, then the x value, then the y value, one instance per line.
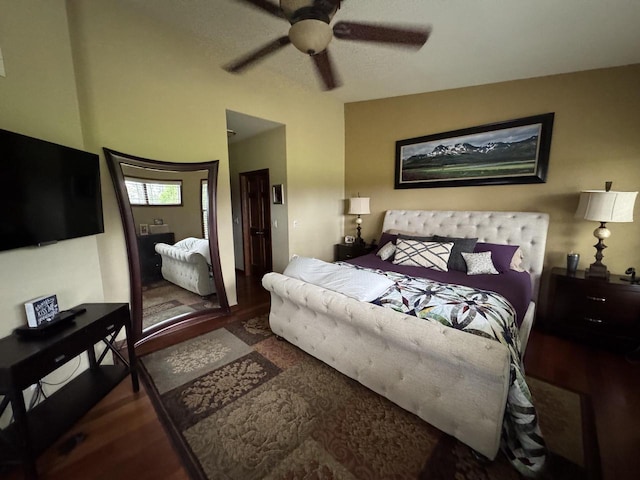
pixel 597 271
pixel 359 240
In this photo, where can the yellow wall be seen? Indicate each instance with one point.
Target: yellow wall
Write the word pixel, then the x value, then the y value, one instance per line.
pixel 150 91
pixel 595 139
pixel 99 74
pixel 91 74
pixel 38 98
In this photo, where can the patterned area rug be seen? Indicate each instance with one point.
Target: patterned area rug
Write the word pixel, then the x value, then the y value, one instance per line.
pixel 241 404
pixel 163 300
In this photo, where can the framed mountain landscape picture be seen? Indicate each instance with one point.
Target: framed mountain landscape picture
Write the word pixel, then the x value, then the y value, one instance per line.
pixel 512 152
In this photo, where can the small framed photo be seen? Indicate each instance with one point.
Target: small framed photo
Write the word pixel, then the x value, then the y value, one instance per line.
pixel 158 221
pixel 348 239
pixel 144 229
pixel 278 194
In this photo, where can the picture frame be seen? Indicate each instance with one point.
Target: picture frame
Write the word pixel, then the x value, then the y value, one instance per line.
pixel 277 192
pixel 510 152
pixel 144 229
pixel 349 239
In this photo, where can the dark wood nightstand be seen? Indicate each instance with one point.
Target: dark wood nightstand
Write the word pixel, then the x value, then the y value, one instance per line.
pixel 150 260
pixel 346 251
pixel 603 313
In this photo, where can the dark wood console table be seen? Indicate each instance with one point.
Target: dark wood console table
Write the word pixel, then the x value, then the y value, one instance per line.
pixel 24 361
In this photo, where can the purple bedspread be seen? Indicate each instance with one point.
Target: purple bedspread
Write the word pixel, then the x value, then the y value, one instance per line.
pixel 512 285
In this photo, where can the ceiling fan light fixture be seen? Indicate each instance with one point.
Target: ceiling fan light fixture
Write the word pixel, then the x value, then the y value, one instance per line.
pixel 310 36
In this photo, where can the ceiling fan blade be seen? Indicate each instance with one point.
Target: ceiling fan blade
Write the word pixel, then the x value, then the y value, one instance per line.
pixel 324 67
pixel 267 6
pixel 244 62
pixel 366 32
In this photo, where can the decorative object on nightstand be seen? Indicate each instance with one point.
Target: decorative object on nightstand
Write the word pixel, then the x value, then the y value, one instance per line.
pixel 572 262
pixel 359 206
pixel 632 279
pixel 604 206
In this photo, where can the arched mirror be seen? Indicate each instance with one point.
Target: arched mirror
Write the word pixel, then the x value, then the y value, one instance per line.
pixel 168 212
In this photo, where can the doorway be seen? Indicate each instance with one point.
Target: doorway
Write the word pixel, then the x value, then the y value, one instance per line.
pixel 256 144
pixel 256 222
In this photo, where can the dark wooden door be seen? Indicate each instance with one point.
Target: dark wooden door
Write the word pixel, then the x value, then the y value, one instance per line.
pixel 256 222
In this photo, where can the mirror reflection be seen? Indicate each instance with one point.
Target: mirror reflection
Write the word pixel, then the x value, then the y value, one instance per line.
pixel 167 211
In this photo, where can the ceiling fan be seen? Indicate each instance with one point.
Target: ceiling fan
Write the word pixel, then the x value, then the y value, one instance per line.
pixel 311 33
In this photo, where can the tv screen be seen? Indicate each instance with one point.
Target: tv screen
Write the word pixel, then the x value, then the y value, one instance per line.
pixel 50 192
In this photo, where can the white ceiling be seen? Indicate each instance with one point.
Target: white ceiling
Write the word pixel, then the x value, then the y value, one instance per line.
pixel 473 42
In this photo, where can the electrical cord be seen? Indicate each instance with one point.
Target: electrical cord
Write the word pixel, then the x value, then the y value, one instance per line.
pixel 66 379
pixel 39 394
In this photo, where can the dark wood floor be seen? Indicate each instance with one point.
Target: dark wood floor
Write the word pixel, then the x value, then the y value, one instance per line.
pixel 613 384
pixel 125 439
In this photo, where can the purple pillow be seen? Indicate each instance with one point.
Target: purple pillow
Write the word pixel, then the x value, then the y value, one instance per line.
pixel 386 238
pixel 501 255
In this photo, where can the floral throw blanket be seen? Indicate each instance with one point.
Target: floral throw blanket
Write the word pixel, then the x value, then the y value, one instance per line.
pixel 489 315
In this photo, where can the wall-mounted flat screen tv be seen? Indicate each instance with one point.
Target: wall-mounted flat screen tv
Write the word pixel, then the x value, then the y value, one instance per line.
pixel 48 192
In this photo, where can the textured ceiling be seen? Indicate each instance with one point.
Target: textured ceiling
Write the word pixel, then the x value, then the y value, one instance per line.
pixel 473 42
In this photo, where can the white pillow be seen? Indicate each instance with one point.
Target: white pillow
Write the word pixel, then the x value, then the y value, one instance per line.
pixel 198 245
pixel 516 261
pixel 414 253
pixel 355 283
pixel 386 252
pixel 479 263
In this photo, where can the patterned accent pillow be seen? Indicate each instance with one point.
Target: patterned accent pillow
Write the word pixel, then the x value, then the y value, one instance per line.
pixel 456 262
pixel 414 253
pixel 501 255
pixel 387 251
pixel 385 238
pixel 479 263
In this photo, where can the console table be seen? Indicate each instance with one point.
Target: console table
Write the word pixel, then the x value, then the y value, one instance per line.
pixel 24 361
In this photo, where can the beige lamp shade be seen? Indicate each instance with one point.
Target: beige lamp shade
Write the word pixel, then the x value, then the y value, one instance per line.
pixel 603 206
pixel 359 206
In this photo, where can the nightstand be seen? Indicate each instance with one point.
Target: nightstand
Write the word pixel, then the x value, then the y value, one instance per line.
pixel 346 251
pixel 150 260
pixel 603 313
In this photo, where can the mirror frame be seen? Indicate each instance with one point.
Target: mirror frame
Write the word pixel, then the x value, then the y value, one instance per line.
pixel 115 160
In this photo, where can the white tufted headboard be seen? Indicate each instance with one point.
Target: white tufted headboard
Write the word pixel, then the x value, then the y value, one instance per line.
pixel 526 229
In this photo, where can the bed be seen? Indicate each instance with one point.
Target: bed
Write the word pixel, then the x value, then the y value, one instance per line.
pixel 456 381
pixel 187 264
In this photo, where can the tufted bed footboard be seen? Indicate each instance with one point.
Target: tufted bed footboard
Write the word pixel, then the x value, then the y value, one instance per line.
pixel 455 381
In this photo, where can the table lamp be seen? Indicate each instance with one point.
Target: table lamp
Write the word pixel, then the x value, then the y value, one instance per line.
pixel 604 206
pixel 359 206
